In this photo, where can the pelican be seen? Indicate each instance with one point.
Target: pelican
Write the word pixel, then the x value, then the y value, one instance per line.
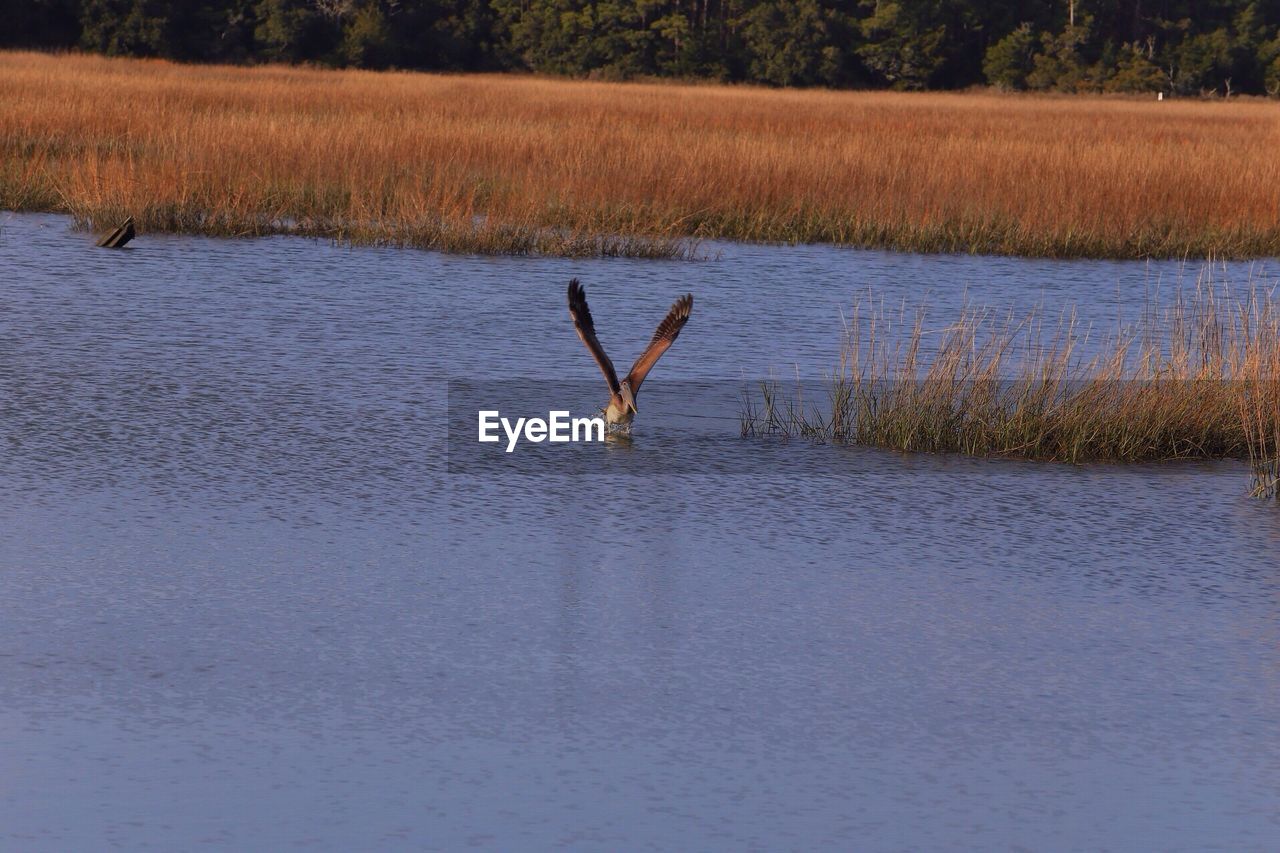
pixel 621 408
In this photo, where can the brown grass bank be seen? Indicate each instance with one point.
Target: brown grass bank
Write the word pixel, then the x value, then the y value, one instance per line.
pixel 517 164
pixel 1199 379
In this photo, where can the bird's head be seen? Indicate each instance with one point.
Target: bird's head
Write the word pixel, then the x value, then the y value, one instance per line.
pixel 627 396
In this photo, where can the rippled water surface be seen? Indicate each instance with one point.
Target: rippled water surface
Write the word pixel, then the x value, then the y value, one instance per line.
pixel 250 597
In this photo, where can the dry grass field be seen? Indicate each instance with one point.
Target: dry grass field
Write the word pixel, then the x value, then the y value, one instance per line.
pixel 518 164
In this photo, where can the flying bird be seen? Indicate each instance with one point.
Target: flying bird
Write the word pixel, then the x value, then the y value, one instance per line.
pixel 621 408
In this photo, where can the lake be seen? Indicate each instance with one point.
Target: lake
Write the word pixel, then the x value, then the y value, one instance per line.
pixel 258 588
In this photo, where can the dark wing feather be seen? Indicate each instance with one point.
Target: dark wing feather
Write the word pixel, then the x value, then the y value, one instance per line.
pixel 587 332
pixel 663 338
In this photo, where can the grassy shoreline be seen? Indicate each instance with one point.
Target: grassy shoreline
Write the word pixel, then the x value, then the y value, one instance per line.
pixel 1197 380
pixel 519 165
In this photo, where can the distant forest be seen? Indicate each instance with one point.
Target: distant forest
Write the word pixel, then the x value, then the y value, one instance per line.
pixel 1181 47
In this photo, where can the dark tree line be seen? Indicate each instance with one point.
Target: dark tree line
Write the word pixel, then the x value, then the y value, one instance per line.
pixel 1176 46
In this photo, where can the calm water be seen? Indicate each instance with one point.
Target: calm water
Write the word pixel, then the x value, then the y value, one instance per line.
pixel 251 598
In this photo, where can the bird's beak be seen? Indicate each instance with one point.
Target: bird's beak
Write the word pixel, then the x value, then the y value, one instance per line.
pixel 629 399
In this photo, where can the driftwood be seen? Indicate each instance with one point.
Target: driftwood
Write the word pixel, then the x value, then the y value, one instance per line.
pixel 117 238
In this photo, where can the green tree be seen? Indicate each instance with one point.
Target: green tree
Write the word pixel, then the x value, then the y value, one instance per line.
pixel 366 37
pixel 904 43
pixel 793 44
pixel 1269 59
pixel 1061 65
pixel 1135 72
pixel 1226 58
pixel 551 35
pixel 199 31
pixel 294 31
pixel 1010 60
pixel 1199 61
pixel 124 27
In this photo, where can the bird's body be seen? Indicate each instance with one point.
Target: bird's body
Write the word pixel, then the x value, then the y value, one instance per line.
pixel 617 412
pixel 620 411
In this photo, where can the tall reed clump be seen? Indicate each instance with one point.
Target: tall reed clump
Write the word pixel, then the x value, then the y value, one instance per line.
pixel 1259 396
pixel 513 164
pixel 1200 379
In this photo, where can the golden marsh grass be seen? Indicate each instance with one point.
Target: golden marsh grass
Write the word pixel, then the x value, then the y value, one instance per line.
pixel 526 165
pixel 1197 380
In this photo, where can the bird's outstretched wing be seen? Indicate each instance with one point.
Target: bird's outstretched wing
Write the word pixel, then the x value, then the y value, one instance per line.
pixel 663 338
pixel 587 332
